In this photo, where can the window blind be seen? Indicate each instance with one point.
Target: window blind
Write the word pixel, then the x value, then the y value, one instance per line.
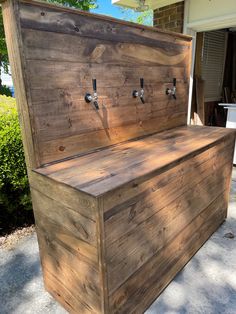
pixel 213 60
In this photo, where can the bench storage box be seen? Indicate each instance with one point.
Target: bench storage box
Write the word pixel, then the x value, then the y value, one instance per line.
pixel 125 195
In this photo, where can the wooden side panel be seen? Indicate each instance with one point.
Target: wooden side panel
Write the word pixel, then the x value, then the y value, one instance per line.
pixel 188 201
pixel 63 51
pixel 16 58
pixel 144 286
pixel 73 280
pixel 69 197
pixel 69 251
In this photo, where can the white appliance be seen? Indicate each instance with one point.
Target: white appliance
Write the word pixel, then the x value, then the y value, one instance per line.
pixel 231 121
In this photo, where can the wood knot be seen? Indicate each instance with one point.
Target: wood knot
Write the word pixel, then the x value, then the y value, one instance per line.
pixel 62 148
pixel 76 28
pixel 98 52
pixel 132 213
pixel 42 13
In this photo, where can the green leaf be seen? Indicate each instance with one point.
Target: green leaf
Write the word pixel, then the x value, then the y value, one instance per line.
pixel 144 18
pixel 79 4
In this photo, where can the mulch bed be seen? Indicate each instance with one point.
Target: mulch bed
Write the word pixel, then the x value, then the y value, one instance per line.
pixel 10 240
pixel 11 221
pixel 15 225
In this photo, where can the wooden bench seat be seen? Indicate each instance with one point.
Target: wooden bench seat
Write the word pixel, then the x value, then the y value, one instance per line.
pixel 150 203
pixel 110 168
pixel 123 195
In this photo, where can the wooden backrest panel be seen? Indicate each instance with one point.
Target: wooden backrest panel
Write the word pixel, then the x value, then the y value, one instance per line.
pixel 63 49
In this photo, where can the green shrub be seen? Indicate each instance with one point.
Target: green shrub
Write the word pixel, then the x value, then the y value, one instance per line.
pixel 4 90
pixel 14 186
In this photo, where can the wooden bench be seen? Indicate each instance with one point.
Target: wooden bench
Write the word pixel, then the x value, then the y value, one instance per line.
pixel 125 195
pixel 143 208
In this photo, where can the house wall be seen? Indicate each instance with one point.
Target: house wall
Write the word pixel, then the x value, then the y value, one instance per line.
pixel 200 15
pixel 170 17
pixel 202 10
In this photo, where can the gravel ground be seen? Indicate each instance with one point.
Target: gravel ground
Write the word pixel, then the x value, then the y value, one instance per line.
pixel 9 241
pixel 207 284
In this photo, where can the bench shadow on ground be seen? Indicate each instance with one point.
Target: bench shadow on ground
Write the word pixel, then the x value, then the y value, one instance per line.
pixel 17 273
pixel 207 285
pixel 21 282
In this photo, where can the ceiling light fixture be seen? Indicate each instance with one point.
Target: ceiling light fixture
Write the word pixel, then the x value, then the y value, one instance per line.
pixel 141 6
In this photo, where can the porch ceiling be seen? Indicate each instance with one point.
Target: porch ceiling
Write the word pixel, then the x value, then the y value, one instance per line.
pixel 154 4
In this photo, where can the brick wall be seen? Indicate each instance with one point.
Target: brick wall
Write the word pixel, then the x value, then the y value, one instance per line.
pixel 170 17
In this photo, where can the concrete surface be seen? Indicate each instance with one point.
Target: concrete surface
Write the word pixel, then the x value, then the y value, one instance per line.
pixel 207 284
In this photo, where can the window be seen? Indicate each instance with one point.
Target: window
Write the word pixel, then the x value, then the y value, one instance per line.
pixel 213 60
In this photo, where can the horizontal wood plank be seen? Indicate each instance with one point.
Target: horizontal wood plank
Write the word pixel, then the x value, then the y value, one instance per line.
pixel 161 191
pixel 79 76
pixel 115 201
pixel 61 294
pixel 69 197
pixel 77 23
pixel 135 159
pixel 49 129
pixel 61 148
pixel 64 237
pixel 73 281
pixel 82 227
pixel 155 275
pixel 151 235
pixel 64 51
pixel 39 46
pixel 123 196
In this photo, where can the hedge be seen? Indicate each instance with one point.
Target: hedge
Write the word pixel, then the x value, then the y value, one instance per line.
pixel 14 186
pixel 5 90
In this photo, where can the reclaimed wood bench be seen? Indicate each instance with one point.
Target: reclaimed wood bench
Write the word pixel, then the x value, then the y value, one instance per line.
pixel 123 195
pixel 143 208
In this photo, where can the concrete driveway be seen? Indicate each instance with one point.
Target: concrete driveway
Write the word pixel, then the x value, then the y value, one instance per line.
pixel 207 284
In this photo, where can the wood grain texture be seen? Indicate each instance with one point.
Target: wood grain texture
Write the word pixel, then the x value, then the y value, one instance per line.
pixel 200 100
pixel 71 241
pixel 111 26
pixel 101 258
pixel 143 201
pixel 103 171
pixel 69 252
pixel 68 276
pixel 61 147
pixel 155 228
pixel 69 197
pixel 74 223
pixel 187 171
pixel 168 218
pixel 124 196
pixel 95 50
pixel 145 285
pixel 10 13
pixel 63 51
